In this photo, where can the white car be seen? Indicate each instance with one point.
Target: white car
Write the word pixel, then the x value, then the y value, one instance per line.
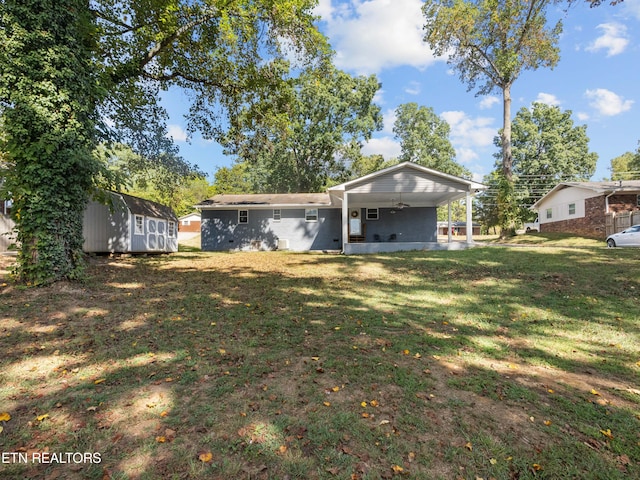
pixel 626 238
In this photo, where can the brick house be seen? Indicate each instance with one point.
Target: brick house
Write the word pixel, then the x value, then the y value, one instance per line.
pixel 189 223
pixel 587 208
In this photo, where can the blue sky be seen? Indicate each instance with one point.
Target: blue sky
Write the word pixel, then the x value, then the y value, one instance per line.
pixel 597 78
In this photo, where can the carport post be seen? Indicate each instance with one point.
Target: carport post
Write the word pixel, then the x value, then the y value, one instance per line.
pixel 469 218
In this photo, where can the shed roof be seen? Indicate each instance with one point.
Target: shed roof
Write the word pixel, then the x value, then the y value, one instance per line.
pixel 148 208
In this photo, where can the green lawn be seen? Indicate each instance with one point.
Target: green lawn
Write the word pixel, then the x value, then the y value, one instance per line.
pixel 494 362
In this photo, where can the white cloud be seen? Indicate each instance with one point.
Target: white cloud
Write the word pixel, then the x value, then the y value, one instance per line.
pixel 607 103
pixel 176 132
pixel 488 102
pixel 548 99
pixel 389 119
pixel 470 132
pixel 631 7
pixel 369 36
pixel 413 88
pixel 614 39
pixel 582 116
pixel 385 146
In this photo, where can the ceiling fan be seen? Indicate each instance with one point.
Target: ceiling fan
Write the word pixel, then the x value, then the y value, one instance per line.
pixel 399 205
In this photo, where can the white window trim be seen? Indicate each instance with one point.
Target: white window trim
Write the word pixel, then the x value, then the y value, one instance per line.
pixel 549 213
pixel 372 214
pixel 240 217
pixel 309 215
pixel 171 229
pixel 574 209
pixel 138 229
pixel 277 215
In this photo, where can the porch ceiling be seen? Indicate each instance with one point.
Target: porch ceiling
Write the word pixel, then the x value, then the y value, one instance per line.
pixel 414 199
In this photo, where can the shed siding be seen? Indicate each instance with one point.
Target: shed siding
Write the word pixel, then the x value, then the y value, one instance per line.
pixel 105 230
pixel 406 181
pixel 221 230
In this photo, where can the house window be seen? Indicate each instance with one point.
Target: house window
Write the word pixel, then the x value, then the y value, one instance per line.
pixel 186 223
pixel 572 209
pixel 139 225
pixel 172 230
pixel 549 213
pixel 277 214
pixel 311 214
pixel 372 214
pixel 638 200
pixel 243 216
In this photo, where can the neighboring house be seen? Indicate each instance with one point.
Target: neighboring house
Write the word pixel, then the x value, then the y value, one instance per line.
pixel 587 208
pixel 129 225
pixel 189 223
pixel 457 228
pixel 390 210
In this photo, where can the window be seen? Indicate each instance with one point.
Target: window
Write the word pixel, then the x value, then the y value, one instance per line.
pixel 638 201
pixel 311 214
pixel 172 229
pixel 277 214
pixel 186 223
pixel 549 213
pixel 243 216
pixel 139 225
pixel 572 209
pixel 372 214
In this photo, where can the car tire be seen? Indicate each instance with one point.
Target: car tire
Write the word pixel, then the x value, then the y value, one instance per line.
pixel 611 243
pixel 528 229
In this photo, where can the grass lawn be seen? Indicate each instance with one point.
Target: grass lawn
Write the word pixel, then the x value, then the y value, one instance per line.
pixel 495 362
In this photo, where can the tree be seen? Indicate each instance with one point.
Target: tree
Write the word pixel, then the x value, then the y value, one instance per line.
pixel 74 72
pixel 626 166
pixel 492 42
pixel 424 139
pixel 547 149
pixel 328 115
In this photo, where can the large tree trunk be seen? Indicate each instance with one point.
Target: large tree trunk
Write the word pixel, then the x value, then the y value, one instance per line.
pixel 506 192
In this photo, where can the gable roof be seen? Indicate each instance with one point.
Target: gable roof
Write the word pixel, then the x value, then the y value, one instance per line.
pixel 148 208
pixel 266 200
pixel 602 188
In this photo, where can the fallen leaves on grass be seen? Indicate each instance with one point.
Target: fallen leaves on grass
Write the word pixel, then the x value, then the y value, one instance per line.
pixel 5 417
pixel 607 433
pixel 205 457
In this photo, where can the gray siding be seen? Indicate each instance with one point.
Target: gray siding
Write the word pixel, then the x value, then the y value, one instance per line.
pixel 406 181
pixel 105 229
pixel 112 230
pixel 221 230
pixel 416 224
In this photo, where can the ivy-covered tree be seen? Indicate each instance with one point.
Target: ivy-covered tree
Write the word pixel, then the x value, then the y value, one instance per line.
pixel 328 114
pixel 424 139
pixel 48 100
pixel 490 43
pixel 74 71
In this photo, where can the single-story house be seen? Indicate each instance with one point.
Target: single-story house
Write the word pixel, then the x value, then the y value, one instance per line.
pixel 189 222
pixel 457 228
pixel 129 224
pixel 390 210
pixel 587 208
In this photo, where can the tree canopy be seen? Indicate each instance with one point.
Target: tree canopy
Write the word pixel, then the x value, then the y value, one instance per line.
pixel 424 139
pixel 329 113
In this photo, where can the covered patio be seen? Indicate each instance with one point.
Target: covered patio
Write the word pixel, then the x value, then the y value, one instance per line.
pixel 395 209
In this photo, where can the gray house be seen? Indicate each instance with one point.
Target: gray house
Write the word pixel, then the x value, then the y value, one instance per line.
pixel 129 224
pixel 390 210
